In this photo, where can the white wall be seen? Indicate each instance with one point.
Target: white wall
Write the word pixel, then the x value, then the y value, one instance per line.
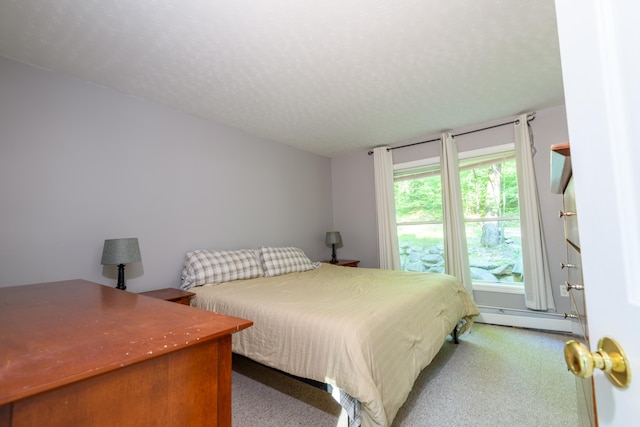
pixel 354 197
pixel 80 163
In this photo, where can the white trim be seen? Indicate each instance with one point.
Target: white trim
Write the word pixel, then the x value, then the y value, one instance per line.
pixel 486 151
pixel 463 155
pixel 546 324
pixel 505 288
pixel 432 161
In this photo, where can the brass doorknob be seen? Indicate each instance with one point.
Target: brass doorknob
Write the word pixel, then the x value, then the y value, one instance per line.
pixel 610 358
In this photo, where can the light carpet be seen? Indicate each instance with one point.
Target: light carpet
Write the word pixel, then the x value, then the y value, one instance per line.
pixel 497 376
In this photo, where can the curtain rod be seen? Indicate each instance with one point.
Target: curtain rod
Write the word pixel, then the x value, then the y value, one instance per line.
pixel 533 116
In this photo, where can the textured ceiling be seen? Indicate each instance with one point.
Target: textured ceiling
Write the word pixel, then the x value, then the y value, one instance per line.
pixel 326 76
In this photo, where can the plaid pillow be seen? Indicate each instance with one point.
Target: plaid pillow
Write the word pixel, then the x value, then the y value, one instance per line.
pixel 202 267
pixel 277 261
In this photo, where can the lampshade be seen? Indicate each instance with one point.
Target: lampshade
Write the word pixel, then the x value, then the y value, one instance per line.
pixel 333 238
pixel 120 251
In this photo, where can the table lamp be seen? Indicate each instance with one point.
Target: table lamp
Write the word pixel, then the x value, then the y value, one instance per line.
pixel 120 252
pixel 334 240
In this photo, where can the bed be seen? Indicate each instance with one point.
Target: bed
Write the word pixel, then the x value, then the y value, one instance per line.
pixel 367 333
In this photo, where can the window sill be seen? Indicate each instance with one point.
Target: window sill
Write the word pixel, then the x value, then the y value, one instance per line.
pixel 502 288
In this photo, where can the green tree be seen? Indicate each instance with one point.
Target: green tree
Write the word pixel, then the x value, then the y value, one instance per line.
pixel 418 199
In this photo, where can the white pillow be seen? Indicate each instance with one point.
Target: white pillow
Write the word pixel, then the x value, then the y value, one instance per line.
pixel 203 267
pixel 277 261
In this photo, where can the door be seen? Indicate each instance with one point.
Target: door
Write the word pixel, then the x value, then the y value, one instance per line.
pixel 601 69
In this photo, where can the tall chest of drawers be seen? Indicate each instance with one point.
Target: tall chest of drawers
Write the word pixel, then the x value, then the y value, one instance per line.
pixel 562 183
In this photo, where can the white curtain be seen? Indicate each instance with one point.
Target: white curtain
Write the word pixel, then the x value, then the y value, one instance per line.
pixel 537 280
pixel 388 252
pixel 455 241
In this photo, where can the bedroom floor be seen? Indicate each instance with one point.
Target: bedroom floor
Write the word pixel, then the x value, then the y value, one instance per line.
pixel 496 376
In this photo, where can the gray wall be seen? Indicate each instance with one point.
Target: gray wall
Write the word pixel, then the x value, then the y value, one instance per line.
pixel 354 197
pixel 80 163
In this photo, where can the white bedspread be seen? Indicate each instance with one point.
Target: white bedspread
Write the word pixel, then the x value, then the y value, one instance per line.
pixel 366 331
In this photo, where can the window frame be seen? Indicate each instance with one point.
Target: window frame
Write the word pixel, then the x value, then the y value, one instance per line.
pixel 503 287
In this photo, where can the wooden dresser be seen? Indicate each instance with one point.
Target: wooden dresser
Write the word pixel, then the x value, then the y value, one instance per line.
pixel 562 183
pixel 76 353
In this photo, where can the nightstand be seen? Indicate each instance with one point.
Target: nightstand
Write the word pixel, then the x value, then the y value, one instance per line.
pixel 171 294
pixel 347 262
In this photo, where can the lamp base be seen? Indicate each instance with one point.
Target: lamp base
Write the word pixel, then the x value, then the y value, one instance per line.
pixel 334 260
pixel 121 284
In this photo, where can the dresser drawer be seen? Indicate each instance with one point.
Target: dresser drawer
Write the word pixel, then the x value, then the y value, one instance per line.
pixel 574 278
pixel 574 266
pixel 578 308
pixel 570 216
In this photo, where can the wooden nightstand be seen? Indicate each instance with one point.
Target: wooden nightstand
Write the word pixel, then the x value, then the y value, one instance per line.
pixel 171 294
pixel 347 262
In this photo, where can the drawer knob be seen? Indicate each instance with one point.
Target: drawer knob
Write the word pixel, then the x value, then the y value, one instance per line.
pixel 570 316
pixel 562 214
pixel 576 287
pixel 563 265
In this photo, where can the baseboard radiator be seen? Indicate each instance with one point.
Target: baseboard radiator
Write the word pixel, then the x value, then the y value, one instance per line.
pixel 553 322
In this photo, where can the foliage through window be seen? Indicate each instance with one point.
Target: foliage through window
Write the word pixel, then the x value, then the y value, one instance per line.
pixel 489 190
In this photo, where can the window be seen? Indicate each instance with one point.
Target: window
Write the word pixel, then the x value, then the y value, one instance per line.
pixel 418 197
pixel 489 190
